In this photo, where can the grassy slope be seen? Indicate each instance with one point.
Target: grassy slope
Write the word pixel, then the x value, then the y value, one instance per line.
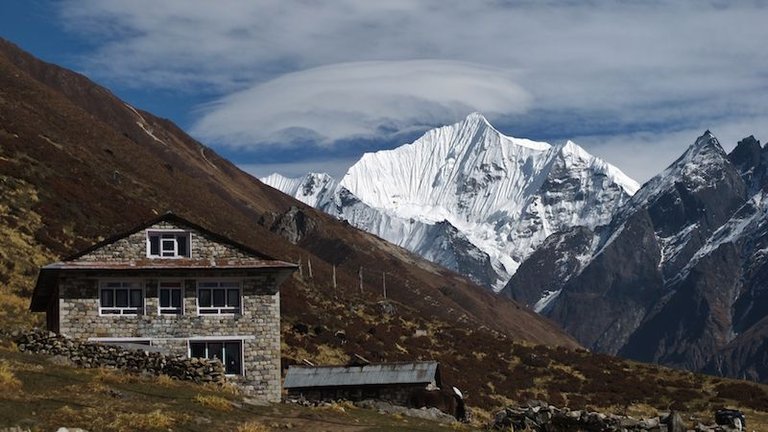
pixel 41 395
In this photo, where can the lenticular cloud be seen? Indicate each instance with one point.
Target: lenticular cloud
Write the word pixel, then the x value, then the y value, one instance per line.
pixel 359 100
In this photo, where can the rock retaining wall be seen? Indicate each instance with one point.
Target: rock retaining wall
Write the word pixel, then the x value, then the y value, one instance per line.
pixel 541 417
pixel 94 355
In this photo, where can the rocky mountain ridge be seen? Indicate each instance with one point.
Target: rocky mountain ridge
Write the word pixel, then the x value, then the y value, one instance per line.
pixel 468 197
pixel 677 274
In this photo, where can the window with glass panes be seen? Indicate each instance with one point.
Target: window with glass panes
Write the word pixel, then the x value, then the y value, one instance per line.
pixel 228 352
pixel 121 298
pixel 168 244
pixel 218 297
pixel 171 297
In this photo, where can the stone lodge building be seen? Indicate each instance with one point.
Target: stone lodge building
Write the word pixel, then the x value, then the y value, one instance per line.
pixel 178 287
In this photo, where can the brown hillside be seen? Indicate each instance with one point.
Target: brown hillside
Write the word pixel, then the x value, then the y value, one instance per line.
pixel 77 164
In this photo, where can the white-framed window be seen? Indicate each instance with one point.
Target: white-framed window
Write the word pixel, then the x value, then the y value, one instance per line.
pixel 170 295
pixel 121 298
pixel 218 297
pixel 168 244
pixel 229 352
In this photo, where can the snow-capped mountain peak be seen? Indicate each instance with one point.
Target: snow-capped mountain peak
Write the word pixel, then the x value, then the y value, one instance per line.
pixel 311 189
pixel 700 166
pixel 489 197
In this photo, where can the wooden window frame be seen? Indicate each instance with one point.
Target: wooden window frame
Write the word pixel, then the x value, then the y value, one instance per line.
pixel 208 341
pixel 226 309
pixel 170 311
pixel 170 236
pixel 118 310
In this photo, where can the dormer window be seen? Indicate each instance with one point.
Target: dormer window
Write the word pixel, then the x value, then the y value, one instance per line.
pixel 168 244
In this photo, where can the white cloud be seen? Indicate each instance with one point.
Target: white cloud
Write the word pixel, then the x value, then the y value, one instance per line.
pixel 359 100
pixel 345 68
pixel 642 155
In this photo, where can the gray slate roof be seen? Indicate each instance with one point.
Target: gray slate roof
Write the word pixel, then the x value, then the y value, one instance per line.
pixel 373 374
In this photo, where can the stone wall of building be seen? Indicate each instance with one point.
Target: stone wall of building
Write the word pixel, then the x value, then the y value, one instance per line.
pixel 134 247
pixel 258 324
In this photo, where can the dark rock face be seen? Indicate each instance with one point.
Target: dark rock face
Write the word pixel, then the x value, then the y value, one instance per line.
pixel 685 328
pixel 678 276
pixel 529 286
pixel 459 254
pixel 292 225
pixel 614 289
pixel 750 159
pixel 745 357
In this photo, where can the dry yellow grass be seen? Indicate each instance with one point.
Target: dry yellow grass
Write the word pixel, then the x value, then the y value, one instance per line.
pixel 325 354
pixel 252 426
pixel 20 253
pixel 214 402
pixel 337 407
pixel 8 380
pixel 114 376
pixel 155 420
pixel 165 381
pixel 227 388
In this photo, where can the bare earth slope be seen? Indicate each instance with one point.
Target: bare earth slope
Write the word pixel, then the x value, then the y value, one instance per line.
pixel 77 164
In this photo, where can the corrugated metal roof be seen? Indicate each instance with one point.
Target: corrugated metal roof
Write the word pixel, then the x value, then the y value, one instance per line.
pixel 373 374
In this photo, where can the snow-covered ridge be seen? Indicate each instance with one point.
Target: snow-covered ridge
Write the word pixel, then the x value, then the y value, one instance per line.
pixel 287 185
pixel 313 189
pixel 695 168
pixel 491 197
pixel 702 165
pixel 743 224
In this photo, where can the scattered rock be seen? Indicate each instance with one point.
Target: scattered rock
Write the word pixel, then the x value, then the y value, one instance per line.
pixel 382 407
pixel 301 328
pixel 541 417
pixel 387 308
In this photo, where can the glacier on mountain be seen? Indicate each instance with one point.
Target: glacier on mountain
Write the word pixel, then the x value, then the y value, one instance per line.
pixel 468 197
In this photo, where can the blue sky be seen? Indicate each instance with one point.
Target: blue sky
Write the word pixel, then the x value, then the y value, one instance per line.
pixel 295 86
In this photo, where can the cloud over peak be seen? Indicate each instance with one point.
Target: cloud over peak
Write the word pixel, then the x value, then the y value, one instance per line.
pixel 316 72
pixel 359 100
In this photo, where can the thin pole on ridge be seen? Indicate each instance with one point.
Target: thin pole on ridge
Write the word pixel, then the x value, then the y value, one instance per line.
pixel 360 274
